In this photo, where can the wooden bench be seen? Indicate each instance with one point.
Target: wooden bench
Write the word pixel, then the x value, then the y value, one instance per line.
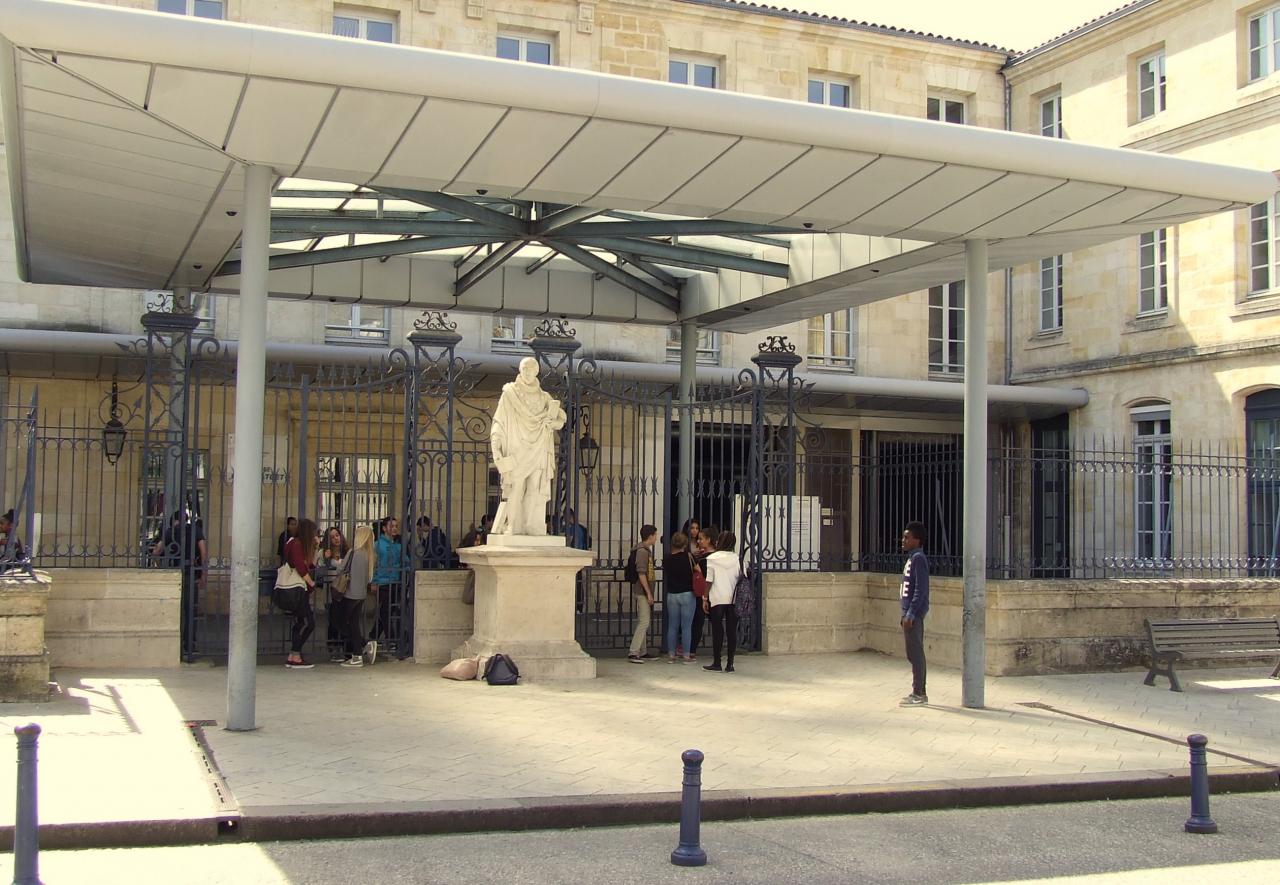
pixel 1209 638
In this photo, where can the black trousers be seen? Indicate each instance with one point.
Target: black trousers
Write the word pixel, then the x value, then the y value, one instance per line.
pixel 351 625
pixel 915 654
pixel 304 623
pixel 724 617
pixel 382 624
pixel 699 619
pixel 334 622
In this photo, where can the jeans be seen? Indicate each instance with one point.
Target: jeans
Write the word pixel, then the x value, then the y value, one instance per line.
pixel 720 614
pixel 304 623
pixel 644 614
pixel 915 654
pixel 679 608
pixel 351 625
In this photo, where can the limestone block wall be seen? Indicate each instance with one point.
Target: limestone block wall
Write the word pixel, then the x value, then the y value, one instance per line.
pixel 442 621
pixel 113 617
pixel 24 660
pixel 1033 627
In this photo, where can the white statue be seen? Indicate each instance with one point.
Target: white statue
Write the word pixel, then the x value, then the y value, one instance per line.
pixel 523 441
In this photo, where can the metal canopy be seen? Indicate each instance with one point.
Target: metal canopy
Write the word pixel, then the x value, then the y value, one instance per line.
pixel 128 132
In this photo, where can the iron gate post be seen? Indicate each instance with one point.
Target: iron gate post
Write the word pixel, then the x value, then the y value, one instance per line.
pixel 688 387
pixel 555 345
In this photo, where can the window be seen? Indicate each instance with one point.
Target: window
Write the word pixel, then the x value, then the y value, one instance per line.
pixel 198 8
pixel 531 49
pixel 1262 436
pixel 946 329
pixel 837 93
pixel 507 334
pixel 1153 489
pixel 364 26
pixel 1153 272
pixel 202 305
pixel 946 110
pixel 694 71
pixel 831 340
pixel 1264 43
pixel 1264 247
pixel 358 324
pixel 708 346
pixel 1051 116
pixel 1151 86
pixel 352 489
pixel 160 468
pixel 1051 294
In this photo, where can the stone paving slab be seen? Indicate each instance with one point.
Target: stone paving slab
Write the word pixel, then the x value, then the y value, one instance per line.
pixel 116 747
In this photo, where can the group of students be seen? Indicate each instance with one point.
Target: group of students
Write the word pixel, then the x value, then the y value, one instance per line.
pixel 699 572
pixel 349 573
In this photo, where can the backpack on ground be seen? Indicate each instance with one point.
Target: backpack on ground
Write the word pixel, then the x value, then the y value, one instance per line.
pixel 631 574
pixel 744 596
pixel 501 670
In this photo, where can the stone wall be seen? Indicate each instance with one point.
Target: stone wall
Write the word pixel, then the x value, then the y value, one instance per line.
pixel 442 621
pixel 1033 627
pixel 24 660
pixel 114 618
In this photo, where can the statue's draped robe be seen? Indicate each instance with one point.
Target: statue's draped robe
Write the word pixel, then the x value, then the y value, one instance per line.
pixel 523 441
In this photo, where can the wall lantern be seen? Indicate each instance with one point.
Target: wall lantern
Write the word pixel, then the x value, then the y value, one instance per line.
pixel 113 435
pixel 588 448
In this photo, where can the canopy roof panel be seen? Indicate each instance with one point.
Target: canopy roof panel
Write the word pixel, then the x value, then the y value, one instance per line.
pixel 128 130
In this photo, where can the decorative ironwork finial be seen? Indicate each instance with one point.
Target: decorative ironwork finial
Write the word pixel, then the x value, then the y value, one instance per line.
pixel 776 344
pixel 554 327
pixel 434 321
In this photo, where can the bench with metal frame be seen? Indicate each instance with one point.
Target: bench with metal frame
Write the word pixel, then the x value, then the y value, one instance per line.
pixel 1206 639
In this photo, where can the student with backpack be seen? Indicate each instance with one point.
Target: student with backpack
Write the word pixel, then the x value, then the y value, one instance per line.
pixel 640 574
pixel 723 571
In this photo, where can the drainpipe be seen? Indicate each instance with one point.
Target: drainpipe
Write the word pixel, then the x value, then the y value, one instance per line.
pixel 1008 271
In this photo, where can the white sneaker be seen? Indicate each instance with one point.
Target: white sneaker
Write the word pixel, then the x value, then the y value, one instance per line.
pixel 370 652
pixel 354 661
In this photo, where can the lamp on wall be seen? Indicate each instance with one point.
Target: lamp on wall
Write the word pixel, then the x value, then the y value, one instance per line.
pixel 113 435
pixel 588 448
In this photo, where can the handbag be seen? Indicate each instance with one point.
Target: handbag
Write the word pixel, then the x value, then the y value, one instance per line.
pixel 287 576
pixel 700 585
pixel 342 583
pixel 289 599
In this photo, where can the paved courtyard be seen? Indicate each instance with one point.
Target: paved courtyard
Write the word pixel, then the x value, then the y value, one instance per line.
pixel 116 746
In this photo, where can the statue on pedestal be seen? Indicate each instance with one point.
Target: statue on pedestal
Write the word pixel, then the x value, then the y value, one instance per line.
pixel 523 441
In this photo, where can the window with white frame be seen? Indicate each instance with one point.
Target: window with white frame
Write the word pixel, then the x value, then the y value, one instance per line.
pixel 358 324
pixel 708 346
pixel 1153 488
pixel 1051 294
pixel 945 109
pixel 1264 247
pixel 1051 116
pixel 198 8
pixel 352 490
pixel 1264 43
pixel 364 25
pixel 518 47
pixel 507 333
pixel 1153 272
pixel 946 329
pixel 1151 85
pixel 831 91
pixel 694 71
pixel 831 340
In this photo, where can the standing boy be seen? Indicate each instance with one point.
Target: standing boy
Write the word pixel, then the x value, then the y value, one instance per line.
pixel 915 605
pixel 640 573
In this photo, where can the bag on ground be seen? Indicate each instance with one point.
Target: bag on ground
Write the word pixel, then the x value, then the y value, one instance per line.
pixel 462 669
pixel 501 670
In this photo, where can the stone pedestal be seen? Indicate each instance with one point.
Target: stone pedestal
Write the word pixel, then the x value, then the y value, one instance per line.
pixel 24 661
pixel 525 608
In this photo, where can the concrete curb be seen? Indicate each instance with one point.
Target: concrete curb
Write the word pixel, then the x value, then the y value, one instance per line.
pixel 291 822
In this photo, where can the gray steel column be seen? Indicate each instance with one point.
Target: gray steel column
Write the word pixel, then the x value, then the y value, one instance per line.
pixel 246 488
pixel 975 474
pixel 688 386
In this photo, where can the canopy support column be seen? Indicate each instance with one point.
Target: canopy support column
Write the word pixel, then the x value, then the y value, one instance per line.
pixel 246 487
pixel 974 629
pixel 688 385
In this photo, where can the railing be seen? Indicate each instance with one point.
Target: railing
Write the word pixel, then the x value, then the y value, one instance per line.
pixel 17 484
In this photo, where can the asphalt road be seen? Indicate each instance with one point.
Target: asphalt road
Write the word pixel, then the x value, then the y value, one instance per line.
pixel 1135 841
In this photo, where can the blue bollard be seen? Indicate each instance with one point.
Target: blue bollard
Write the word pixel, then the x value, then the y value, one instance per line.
pixel 1199 822
pixel 689 853
pixel 26 821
